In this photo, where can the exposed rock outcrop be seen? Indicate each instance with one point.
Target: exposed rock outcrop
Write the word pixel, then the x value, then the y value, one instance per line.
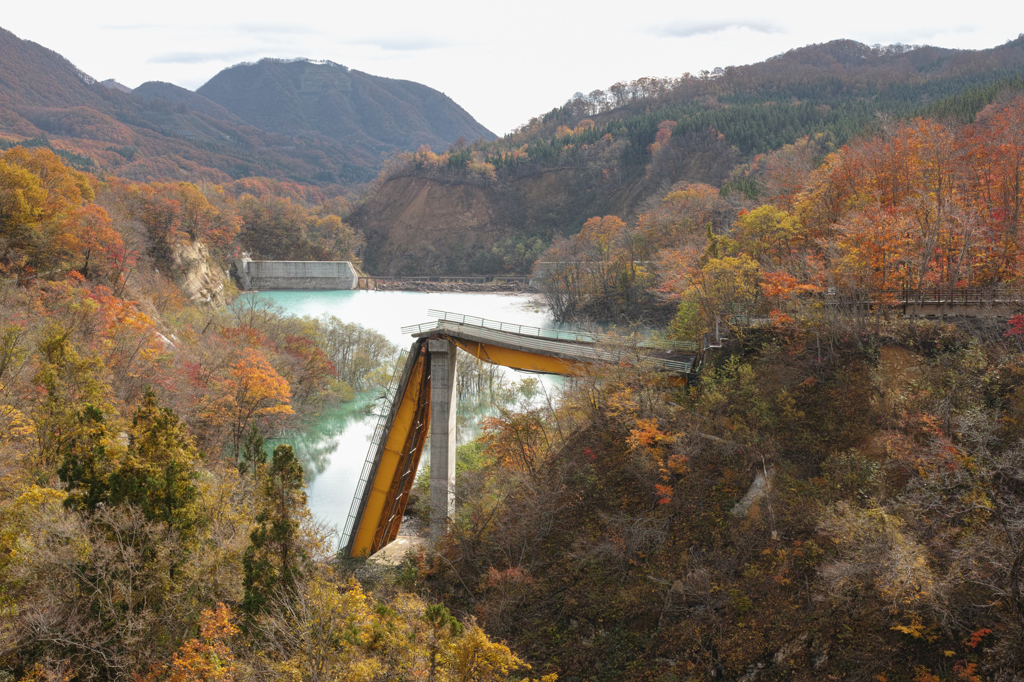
pixel 199 278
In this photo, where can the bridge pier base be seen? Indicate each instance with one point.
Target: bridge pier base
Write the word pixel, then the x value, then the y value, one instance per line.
pixel 442 434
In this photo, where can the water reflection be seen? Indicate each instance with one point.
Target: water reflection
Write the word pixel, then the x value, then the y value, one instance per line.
pixel 317 444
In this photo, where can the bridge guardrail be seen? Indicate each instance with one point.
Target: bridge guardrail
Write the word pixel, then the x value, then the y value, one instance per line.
pixel 368 281
pixel 557 334
pixel 378 433
pixel 932 295
pixel 548 346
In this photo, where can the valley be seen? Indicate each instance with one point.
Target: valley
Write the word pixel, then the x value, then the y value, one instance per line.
pixel 828 487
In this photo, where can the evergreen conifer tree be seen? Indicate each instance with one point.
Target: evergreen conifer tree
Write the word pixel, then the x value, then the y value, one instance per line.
pixel 276 559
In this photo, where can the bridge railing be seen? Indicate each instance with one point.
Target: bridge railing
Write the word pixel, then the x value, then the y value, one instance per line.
pixel 557 334
pixel 962 295
pixel 511 327
pixel 390 395
pixel 372 282
pixel 562 348
pixel 931 295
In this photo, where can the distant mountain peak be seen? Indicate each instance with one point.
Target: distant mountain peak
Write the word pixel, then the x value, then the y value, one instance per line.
pixel 343 124
pixel 291 60
pixel 114 85
pixel 308 97
pixel 175 94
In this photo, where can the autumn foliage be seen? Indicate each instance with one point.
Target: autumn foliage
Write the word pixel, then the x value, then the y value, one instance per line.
pixel 835 492
pixel 921 208
pixel 126 522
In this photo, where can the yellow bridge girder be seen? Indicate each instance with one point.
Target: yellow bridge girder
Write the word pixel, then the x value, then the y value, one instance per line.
pixel 516 359
pixel 398 461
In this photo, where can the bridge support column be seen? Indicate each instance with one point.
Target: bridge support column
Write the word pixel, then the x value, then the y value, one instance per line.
pixel 442 434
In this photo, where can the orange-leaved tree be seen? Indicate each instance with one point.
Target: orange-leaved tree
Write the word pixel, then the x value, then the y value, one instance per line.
pixel 39 196
pixel 251 392
pixel 516 441
pixel 206 659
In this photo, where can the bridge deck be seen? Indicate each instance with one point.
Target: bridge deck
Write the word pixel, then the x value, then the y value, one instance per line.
pixel 562 334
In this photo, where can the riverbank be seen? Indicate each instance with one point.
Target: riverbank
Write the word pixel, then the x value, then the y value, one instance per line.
pixel 496 287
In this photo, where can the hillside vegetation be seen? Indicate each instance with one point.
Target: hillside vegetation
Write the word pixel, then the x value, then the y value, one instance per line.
pixel 146 533
pixel 838 493
pixel 620 148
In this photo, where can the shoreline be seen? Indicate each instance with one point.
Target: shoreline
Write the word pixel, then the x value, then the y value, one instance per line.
pixel 455 287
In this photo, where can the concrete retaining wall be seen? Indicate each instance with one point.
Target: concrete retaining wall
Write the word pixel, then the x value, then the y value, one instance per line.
pixel 294 274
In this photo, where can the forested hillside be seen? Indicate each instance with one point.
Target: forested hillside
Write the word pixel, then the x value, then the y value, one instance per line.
pixel 146 533
pixel 156 90
pixel 163 132
pixel 838 493
pixel 835 494
pixel 614 150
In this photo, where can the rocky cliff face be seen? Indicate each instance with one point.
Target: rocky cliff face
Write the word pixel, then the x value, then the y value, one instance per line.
pixel 199 278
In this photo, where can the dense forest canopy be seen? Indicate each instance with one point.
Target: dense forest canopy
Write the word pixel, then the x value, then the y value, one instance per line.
pixel 146 531
pixel 923 204
pixel 837 494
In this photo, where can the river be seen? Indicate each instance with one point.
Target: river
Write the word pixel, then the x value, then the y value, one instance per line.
pixel 333 449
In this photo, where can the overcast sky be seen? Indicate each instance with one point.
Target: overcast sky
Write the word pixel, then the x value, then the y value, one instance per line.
pixel 503 62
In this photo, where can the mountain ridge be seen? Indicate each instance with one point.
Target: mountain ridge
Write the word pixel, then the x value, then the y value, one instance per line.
pixel 179 95
pixel 629 145
pixel 344 104
pixel 160 131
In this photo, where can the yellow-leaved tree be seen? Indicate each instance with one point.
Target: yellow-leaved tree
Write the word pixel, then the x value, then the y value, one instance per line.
pixel 251 392
pixel 208 658
pixel 328 630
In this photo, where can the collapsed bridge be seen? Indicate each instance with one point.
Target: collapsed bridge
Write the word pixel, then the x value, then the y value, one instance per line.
pixel 422 405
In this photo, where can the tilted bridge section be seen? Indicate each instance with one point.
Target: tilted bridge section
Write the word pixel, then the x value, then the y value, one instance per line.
pixel 421 404
pixel 421 399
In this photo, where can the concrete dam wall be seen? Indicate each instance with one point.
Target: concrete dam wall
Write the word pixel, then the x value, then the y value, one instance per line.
pixel 295 274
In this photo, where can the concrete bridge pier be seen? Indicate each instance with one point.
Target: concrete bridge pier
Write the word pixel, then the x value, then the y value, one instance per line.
pixel 442 434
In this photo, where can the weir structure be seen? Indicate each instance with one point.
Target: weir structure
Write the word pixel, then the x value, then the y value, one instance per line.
pixel 294 274
pixel 421 404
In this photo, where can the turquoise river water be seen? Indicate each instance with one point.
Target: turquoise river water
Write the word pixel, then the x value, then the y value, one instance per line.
pixel 334 448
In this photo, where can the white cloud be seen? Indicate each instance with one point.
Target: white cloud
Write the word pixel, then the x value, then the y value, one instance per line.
pixel 403 44
pixel 277 29
pixel 201 57
pixel 688 28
